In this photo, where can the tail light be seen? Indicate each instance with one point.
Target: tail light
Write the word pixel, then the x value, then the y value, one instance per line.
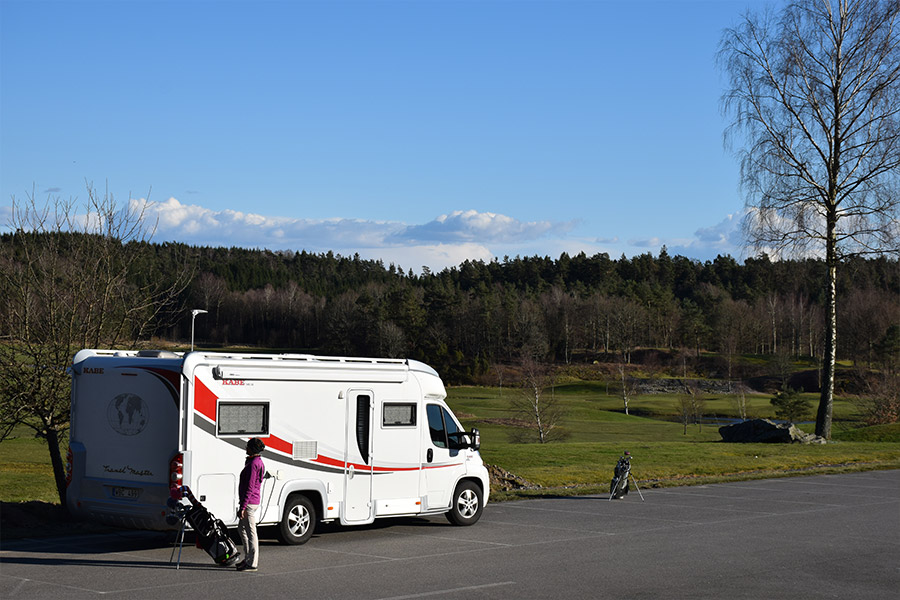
pixel 176 470
pixel 69 459
pixel 176 476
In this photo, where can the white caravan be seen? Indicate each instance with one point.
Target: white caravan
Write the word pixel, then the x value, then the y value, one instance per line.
pixel 347 439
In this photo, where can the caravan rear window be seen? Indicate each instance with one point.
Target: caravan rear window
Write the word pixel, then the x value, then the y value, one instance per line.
pixel 399 414
pixel 244 418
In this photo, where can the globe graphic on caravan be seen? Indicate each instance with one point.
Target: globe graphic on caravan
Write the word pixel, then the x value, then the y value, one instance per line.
pixel 128 414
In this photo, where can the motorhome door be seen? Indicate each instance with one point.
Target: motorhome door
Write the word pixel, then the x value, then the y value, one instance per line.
pixel 358 460
pixel 441 460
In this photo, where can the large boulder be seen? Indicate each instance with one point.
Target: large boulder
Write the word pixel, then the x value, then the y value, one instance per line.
pixel 765 431
pixel 501 479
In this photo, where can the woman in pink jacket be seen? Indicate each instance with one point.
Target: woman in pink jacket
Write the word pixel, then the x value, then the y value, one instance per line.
pixel 249 495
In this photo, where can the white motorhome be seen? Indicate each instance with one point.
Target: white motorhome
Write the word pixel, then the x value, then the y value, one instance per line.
pixel 347 439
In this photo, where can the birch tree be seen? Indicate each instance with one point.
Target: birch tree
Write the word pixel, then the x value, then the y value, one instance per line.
pixel 814 92
pixel 537 405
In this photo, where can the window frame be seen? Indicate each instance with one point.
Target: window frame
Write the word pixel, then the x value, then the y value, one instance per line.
pixel 446 415
pixel 266 418
pixel 415 414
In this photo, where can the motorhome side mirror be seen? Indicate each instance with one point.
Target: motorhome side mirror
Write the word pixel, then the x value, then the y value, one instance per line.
pixel 457 440
pixel 475 439
pixel 460 440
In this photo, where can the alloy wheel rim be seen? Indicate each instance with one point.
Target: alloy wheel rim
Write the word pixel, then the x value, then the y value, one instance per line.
pixel 468 503
pixel 298 520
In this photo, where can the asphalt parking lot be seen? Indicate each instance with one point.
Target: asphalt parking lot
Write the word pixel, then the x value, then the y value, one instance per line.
pixel 833 536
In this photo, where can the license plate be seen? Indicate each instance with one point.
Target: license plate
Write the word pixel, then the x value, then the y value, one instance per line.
pixel 125 493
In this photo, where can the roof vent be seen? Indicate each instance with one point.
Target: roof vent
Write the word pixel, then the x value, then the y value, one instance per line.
pixel 156 354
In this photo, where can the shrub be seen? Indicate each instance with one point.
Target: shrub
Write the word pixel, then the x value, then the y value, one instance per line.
pixel 790 406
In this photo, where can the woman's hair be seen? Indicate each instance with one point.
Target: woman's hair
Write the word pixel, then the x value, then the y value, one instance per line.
pixel 255 446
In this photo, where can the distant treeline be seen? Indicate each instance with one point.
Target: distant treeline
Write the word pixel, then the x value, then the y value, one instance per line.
pixel 463 319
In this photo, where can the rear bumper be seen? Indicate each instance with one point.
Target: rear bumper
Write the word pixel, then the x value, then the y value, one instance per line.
pixel 94 499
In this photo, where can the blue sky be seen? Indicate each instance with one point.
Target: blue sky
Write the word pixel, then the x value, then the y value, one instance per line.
pixel 420 133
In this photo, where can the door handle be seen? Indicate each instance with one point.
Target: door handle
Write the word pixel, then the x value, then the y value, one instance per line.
pixel 430 455
pixel 352 472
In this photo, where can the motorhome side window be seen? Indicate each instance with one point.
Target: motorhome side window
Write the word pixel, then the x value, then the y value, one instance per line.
pixel 399 414
pixel 363 404
pixel 440 423
pixel 243 418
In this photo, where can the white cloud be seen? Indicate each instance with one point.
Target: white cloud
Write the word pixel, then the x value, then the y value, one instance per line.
pixel 446 241
pixel 612 240
pixel 199 225
pixel 725 237
pixel 653 243
pixel 436 257
pixel 474 226
pixel 725 233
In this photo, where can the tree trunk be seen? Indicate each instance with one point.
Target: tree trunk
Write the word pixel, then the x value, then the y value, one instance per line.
pixel 606 342
pixel 826 400
pixel 537 414
pixel 772 300
pixel 59 469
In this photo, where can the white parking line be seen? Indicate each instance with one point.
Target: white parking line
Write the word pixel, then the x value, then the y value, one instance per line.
pixel 468 588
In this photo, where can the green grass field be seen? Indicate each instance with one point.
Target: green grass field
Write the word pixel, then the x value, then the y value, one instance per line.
pixel 664 451
pixel 598 432
pixel 25 470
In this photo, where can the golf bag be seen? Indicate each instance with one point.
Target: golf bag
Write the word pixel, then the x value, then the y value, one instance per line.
pixel 212 535
pixel 618 487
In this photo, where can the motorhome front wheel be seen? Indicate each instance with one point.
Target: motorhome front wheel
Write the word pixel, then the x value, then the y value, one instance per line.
pixel 467 505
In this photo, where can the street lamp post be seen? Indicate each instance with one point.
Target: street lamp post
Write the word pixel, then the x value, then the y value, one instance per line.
pixel 194 313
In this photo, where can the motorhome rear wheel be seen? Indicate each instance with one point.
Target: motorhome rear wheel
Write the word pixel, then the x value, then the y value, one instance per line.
pixel 299 521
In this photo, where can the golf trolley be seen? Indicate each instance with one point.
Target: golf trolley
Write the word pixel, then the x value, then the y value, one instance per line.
pixel 212 536
pixel 618 487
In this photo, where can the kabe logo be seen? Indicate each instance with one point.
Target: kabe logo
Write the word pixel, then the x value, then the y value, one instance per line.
pixel 93 370
pixel 232 382
pixel 128 414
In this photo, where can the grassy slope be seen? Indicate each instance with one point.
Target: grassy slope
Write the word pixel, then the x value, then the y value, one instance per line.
pixel 664 453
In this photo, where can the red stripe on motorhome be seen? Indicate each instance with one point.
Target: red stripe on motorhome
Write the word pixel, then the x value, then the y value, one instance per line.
pixel 274 442
pixel 204 400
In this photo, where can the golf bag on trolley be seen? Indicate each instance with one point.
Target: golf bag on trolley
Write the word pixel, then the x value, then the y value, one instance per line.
pixel 212 535
pixel 618 487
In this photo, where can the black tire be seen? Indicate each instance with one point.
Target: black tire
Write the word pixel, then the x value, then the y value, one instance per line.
pixel 466 505
pixel 299 521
